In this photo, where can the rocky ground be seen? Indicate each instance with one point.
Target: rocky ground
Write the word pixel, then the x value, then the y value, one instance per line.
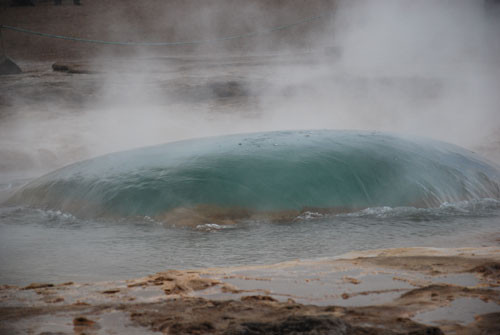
pixel 393 291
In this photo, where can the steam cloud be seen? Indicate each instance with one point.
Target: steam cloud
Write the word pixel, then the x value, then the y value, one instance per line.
pixel 422 67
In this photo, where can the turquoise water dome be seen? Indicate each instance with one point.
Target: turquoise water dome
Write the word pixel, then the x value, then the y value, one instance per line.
pixel 324 170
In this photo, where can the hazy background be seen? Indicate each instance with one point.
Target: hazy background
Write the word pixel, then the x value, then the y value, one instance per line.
pixel 427 67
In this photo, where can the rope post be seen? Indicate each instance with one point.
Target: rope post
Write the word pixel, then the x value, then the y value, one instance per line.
pixel 7 66
pixel 2 48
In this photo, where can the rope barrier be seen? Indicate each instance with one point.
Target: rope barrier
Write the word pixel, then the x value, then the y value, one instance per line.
pixel 219 39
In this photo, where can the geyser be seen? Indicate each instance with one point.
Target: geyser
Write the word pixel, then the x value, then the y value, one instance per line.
pixel 237 176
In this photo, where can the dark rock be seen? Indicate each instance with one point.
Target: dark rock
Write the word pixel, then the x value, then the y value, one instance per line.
pixel 60 67
pixel 74 68
pixel 111 291
pixel 427 331
pixel 489 270
pixel 196 328
pixel 33 286
pixel 82 325
pixel 258 298
pixel 83 321
pixel 7 66
pixel 294 325
pixel 487 324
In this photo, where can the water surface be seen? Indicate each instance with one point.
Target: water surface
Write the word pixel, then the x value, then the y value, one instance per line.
pixel 103 218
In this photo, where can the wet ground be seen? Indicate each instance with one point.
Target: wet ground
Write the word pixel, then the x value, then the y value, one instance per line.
pixel 392 291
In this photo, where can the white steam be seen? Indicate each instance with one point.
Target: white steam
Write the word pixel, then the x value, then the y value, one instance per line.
pixel 423 67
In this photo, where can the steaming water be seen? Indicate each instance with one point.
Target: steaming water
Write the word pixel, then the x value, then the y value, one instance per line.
pixel 271 171
pixel 341 190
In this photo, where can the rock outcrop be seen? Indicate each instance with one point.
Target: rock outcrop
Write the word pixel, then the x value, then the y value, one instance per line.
pixel 7 66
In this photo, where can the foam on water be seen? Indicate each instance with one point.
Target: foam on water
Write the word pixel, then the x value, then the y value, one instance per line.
pixel 461 208
pixel 45 245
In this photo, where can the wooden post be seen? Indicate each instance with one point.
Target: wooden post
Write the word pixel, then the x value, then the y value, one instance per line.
pixel 2 48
